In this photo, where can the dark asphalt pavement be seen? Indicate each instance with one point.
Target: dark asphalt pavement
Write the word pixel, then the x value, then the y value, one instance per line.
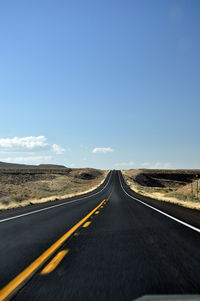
pixel 25 238
pixel 129 250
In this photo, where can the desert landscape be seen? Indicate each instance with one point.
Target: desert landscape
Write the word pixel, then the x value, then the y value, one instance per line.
pixel 180 187
pixel 22 185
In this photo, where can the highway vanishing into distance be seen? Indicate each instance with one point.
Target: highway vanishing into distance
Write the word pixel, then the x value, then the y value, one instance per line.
pixel 111 244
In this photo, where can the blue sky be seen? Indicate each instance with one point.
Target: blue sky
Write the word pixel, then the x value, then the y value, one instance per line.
pixel 105 84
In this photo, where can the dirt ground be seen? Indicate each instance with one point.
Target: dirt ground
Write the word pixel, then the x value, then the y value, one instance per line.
pixel 21 187
pixel 181 187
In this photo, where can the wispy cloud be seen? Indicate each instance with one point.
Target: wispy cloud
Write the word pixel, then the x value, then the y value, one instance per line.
pixel 157 165
pixel 125 164
pixel 103 150
pixel 28 159
pixel 145 164
pixel 57 149
pixel 28 144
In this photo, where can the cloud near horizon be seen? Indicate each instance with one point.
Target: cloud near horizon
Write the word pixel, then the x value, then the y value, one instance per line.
pixel 27 160
pixel 103 150
pixel 57 149
pixel 157 165
pixel 125 164
pixel 28 144
pixel 148 165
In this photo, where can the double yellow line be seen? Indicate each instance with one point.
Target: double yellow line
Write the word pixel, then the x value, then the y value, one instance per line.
pixel 14 285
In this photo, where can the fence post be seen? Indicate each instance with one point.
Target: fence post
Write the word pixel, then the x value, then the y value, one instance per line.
pixel 192 191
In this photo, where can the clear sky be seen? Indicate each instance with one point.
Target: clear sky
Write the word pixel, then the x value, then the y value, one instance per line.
pixel 106 84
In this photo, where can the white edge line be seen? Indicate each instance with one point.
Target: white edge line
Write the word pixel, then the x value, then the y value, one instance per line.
pixel 54 206
pixel 168 215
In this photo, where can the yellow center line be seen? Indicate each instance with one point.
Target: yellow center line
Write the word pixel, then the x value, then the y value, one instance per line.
pixel 86 224
pixel 14 285
pixel 8 291
pixel 54 262
pixel 97 212
pixel 111 191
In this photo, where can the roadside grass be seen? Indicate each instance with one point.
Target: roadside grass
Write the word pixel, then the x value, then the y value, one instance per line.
pixel 175 186
pixel 22 187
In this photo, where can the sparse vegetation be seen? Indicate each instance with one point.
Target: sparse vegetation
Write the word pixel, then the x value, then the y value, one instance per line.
pixel 176 186
pixel 21 187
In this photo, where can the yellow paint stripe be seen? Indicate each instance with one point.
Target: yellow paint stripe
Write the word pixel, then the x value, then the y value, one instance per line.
pixel 112 190
pixel 101 207
pixel 14 285
pixel 54 262
pixel 97 212
pixel 86 224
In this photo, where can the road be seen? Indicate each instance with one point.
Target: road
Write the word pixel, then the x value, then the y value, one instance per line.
pixel 132 246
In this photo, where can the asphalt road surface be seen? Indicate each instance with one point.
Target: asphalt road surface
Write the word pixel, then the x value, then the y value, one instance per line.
pixel 129 247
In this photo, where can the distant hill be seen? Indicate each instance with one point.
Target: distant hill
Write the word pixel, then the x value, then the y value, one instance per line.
pixel 50 166
pixel 15 165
